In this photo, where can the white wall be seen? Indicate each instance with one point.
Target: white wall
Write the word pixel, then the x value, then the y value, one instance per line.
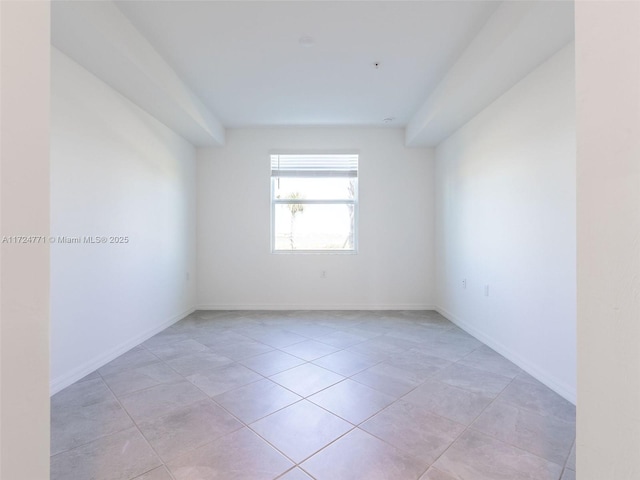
pixel 608 188
pixel 505 216
pixel 117 171
pixel 394 265
pixel 24 268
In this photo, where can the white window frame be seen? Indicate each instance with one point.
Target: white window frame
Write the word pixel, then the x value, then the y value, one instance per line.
pixel 325 173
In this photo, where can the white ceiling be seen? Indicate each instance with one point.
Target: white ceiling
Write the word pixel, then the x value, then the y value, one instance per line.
pixel 201 66
pixel 245 62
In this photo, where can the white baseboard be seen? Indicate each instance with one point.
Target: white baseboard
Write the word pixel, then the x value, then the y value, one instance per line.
pixel 559 387
pixel 395 306
pixel 103 358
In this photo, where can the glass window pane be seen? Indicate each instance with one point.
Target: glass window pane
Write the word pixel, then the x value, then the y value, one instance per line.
pixel 333 188
pixel 314 227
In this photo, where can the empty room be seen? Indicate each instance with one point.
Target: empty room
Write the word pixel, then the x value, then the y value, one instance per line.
pixel 326 240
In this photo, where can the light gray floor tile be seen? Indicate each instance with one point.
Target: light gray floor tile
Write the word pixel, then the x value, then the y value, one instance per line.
pixel 545 436
pixel 307 379
pixel 211 330
pixel 134 358
pixel 73 426
pixel 198 362
pixel 568 475
pixel 340 319
pixel 252 330
pixel 346 363
pixel 420 365
pixel 370 350
pixel 352 401
pixel 256 400
pixel 165 337
pixel 480 457
pixel 120 456
pixel 389 379
pixel 160 400
pixel 379 345
pixel 456 333
pixel 432 316
pixel 241 455
pixel 310 330
pixel 173 350
pixel 362 330
pixel 359 455
pixel 415 334
pixel 373 329
pixel 215 340
pixel 484 358
pixel 82 394
pixel 295 474
pixel 289 429
pixel 534 396
pixel 220 380
pixel 160 473
pixel 270 363
pixel 525 377
pixel 454 403
pixel 341 339
pixel 405 343
pixel 199 323
pixel 414 430
pixel 242 350
pixel 278 338
pixel 473 379
pixel 449 348
pixel 187 428
pixel 435 474
pixel 393 344
pixel 130 381
pixel 309 350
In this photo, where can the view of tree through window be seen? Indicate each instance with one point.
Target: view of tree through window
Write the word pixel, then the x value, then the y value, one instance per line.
pixel 314 203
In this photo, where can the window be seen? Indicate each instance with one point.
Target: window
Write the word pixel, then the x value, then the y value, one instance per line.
pixel 314 203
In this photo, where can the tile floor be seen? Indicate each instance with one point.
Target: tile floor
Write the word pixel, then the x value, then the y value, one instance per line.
pixel 311 395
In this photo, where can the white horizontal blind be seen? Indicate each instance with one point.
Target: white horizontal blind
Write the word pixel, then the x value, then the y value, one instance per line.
pixel 321 165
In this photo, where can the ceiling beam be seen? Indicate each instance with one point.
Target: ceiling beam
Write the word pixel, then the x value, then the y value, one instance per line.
pixel 517 38
pixel 99 37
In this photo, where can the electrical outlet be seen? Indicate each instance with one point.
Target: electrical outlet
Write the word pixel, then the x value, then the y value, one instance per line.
pixel 464 283
pixel 323 274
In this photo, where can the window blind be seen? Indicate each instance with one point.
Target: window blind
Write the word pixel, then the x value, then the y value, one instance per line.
pixel 341 165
